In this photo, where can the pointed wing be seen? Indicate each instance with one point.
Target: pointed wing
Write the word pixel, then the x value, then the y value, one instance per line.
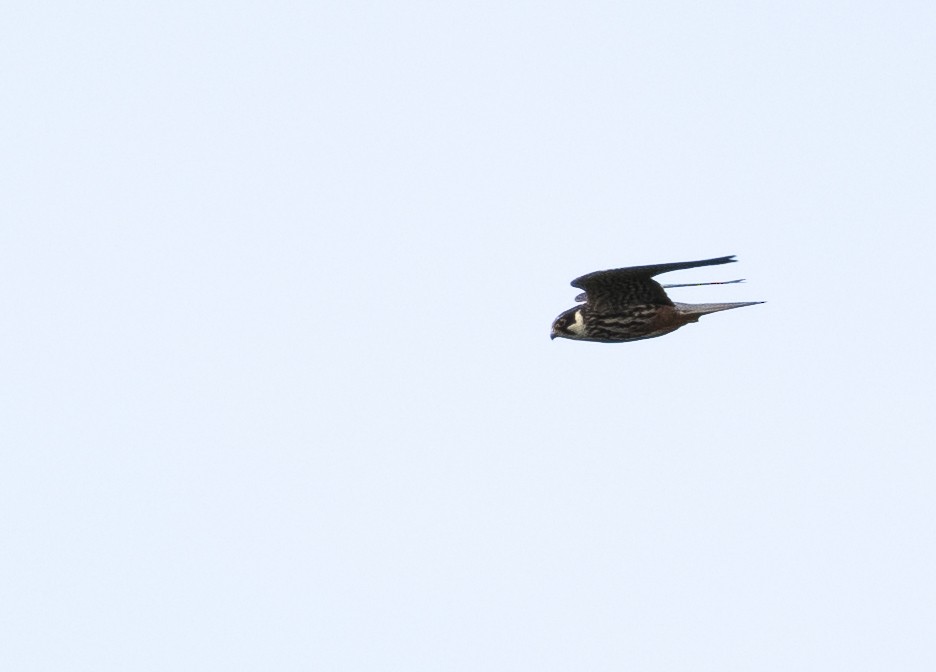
pixel 622 287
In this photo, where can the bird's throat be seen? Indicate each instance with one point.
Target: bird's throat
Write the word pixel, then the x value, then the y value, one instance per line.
pixel 577 327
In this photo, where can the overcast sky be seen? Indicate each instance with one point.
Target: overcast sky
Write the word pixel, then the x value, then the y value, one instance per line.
pixel 278 391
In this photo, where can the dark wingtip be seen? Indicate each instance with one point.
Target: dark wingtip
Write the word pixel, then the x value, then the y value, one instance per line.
pixel 730 259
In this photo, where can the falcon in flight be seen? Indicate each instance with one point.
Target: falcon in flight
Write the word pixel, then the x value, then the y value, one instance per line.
pixel 627 304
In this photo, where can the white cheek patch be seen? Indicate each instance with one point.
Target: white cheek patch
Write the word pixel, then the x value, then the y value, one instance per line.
pixel 578 326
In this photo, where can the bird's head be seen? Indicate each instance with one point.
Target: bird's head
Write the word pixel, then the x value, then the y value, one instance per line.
pixel 570 324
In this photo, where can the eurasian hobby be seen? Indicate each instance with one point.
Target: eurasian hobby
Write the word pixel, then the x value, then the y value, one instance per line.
pixel 626 304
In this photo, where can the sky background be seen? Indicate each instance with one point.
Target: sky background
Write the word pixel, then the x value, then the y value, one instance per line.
pixel 276 283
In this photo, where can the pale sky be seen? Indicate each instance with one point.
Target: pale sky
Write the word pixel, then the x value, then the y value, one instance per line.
pixel 277 281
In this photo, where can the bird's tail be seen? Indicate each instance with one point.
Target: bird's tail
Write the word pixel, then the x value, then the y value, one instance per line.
pixel 697 310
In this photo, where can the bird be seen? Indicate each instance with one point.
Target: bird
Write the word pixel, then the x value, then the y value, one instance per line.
pixel 627 304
